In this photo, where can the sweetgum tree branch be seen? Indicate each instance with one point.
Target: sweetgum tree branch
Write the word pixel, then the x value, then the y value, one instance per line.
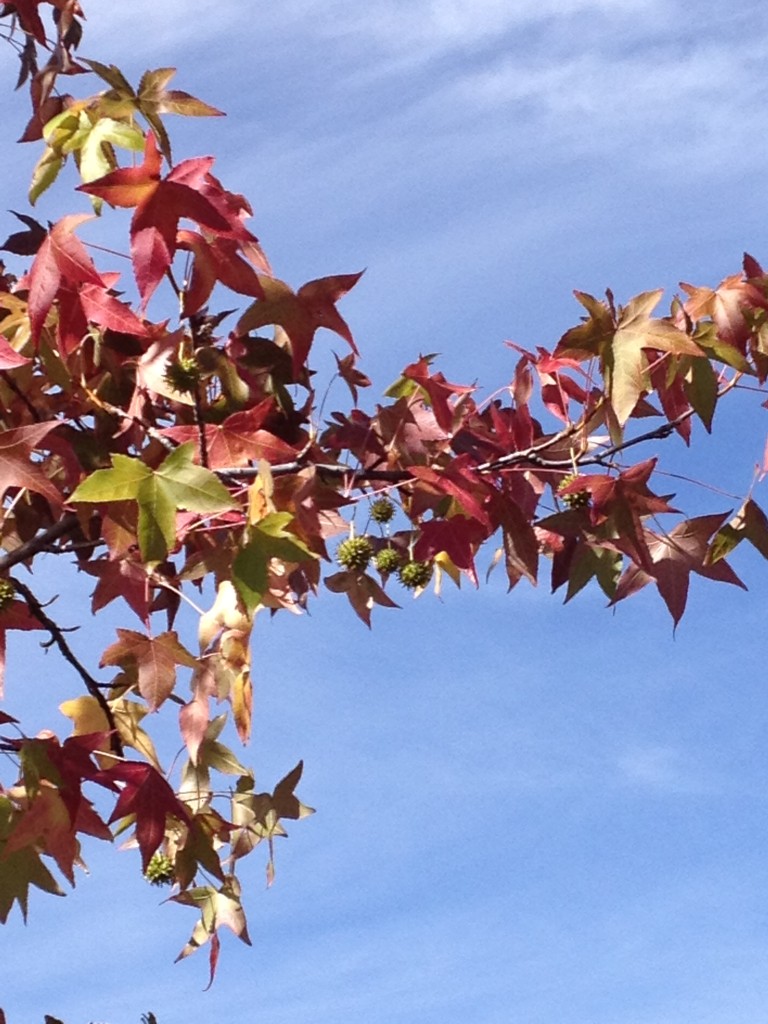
pixel 535 455
pixel 58 638
pixel 68 524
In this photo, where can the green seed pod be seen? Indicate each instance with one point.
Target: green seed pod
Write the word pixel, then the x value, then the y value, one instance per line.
pixel 159 870
pixel 7 593
pixel 388 560
pixel 183 374
pixel 354 553
pixel 578 499
pixel 415 574
pixel 382 510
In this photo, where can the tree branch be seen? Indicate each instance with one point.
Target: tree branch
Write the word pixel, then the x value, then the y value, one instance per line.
pixel 57 636
pixel 40 542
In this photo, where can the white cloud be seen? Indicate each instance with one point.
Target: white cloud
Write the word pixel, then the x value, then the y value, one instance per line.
pixel 436 27
pixel 662 768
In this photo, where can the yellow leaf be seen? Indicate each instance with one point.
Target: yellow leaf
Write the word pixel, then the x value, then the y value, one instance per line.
pixel 260 503
pixel 444 563
pixel 86 714
pixel 242 704
pixel 87 717
pixel 128 714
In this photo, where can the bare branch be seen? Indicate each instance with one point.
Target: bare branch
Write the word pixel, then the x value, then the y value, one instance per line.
pixel 58 638
pixel 40 542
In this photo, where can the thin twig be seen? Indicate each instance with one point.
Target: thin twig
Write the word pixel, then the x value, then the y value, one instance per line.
pixel 197 396
pixel 200 423
pixel 35 413
pixel 57 635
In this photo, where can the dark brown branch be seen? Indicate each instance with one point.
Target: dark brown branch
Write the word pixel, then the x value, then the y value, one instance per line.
pixel 57 636
pixel 197 342
pixel 40 542
pixel 200 421
pixel 533 456
pixel 8 379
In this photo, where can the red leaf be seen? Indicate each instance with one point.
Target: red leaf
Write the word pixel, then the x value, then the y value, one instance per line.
pixel 726 305
pixel 160 204
pixel 301 313
pixel 121 577
pixel 217 259
pixel 105 310
pixel 10 359
pixel 439 390
pixel 149 797
pixel 674 556
pixel 238 440
pixel 462 483
pixel 16 467
pixel 62 258
pixel 29 19
pixel 458 536
pixel 362 591
pixel 623 501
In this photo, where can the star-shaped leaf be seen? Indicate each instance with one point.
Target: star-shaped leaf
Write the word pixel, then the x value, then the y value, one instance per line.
pixel 301 313
pixel 155 660
pixel 363 592
pixel 148 797
pixel 218 908
pixel 61 259
pixel 19 869
pixel 267 539
pixel 459 537
pixel 152 98
pixel 674 556
pixel 239 440
pixel 159 205
pixel 176 484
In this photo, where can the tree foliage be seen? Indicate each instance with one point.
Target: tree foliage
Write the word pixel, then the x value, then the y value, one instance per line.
pixel 174 448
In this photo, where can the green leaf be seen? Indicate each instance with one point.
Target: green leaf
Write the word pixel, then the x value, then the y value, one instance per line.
pixel 715 348
pixel 219 757
pixel 45 173
pixel 95 161
pixel 176 484
pixel 756 526
pixel 110 74
pixel 626 364
pixel 270 538
pixel 121 483
pixel 157 519
pixel 19 869
pixel 626 376
pixel 725 540
pixel 701 390
pixel 193 488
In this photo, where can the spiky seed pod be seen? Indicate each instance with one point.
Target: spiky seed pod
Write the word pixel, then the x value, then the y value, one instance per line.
pixel 7 593
pixel 183 374
pixel 579 499
pixel 388 560
pixel 382 510
pixel 415 574
pixel 354 553
pixel 159 870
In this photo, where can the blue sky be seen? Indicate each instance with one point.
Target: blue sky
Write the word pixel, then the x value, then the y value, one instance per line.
pixel 526 812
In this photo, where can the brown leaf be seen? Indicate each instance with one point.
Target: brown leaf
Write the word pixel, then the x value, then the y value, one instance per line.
pixel 155 659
